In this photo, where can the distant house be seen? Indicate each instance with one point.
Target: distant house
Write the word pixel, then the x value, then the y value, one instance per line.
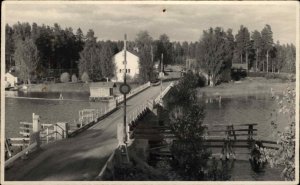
pixel 238 71
pixel 239 66
pixel 11 79
pixel 132 66
pixel 101 90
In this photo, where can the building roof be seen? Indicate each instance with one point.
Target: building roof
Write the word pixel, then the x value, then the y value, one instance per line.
pixel 239 66
pixel 14 74
pixel 134 53
pixel 102 85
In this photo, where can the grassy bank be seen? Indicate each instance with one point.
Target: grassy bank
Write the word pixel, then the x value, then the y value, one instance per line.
pixel 247 86
pixel 68 87
pixel 59 87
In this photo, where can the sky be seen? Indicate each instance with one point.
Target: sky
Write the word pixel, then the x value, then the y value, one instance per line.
pixel 181 22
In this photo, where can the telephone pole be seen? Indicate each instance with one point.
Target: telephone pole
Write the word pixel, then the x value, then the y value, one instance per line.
pixel 161 72
pixel 125 136
pixel 125 120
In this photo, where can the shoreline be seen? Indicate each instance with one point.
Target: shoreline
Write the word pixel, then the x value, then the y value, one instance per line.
pixel 249 86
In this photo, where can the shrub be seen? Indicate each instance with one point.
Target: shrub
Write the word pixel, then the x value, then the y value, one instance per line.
pixel 85 77
pixel 189 80
pixel 237 74
pixel 226 75
pixel 271 76
pixel 74 78
pixel 65 77
pixel 201 81
pixel 285 155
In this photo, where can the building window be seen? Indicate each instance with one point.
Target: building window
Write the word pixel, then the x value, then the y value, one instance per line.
pixel 128 70
pixel 120 70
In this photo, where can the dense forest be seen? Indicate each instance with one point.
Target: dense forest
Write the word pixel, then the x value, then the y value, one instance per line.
pixel 39 51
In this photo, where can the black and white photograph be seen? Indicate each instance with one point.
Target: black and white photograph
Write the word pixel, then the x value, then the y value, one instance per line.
pixel 149 92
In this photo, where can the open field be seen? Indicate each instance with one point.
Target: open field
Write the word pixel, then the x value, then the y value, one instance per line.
pixel 248 86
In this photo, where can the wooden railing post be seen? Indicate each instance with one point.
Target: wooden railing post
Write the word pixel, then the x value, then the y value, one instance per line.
pixel 47 137
pixel 250 132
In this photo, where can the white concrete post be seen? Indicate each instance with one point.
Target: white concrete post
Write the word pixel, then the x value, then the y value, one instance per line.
pixel 36 126
pixel 120 134
pixel 128 132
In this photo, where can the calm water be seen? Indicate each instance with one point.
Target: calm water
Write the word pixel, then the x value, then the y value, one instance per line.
pixel 50 110
pixel 244 109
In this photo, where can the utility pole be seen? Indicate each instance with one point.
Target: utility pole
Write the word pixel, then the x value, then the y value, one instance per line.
pixel 125 38
pixel 125 124
pixel 161 73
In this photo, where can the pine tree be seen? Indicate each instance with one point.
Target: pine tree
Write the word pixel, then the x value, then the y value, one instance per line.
pixel 257 45
pixel 145 51
pixel 267 42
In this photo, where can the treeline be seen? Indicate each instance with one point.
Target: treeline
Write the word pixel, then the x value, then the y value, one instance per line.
pixel 44 51
pixel 40 51
pixel 218 50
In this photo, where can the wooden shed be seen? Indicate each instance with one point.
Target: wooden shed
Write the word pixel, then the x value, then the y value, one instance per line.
pixel 101 91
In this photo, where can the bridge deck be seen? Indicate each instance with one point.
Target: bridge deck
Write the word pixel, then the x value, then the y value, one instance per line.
pixel 81 157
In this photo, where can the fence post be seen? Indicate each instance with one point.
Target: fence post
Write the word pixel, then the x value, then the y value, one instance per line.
pixel 36 126
pixel 47 135
pixel 120 134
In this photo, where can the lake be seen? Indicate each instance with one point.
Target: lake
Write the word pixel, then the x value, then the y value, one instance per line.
pixel 50 110
pixel 244 109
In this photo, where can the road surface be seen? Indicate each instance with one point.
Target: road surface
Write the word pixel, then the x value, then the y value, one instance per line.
pixel 79 158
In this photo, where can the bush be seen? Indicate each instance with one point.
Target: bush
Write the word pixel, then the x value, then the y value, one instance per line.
pixel 65 77
pixel 85 77
pixel 189 80
pixel 201 81
pixel 74 78
pixel 237 74
pixel 226 75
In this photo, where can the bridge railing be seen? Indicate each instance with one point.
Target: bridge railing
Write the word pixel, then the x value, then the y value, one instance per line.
pixel 163 93
pixel 20 154
pixel 53 132
pixel 133 117
pixel 41 133
pixel 119 99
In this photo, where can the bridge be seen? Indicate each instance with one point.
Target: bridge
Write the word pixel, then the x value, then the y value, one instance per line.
pixel 81 157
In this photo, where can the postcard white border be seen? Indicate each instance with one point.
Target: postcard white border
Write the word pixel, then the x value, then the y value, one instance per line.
pixel 3 22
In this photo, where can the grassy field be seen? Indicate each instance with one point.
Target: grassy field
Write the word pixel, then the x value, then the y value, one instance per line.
pixel 247 86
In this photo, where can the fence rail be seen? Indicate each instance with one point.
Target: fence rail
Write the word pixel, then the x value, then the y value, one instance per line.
pixel 163 93
pixel 20 154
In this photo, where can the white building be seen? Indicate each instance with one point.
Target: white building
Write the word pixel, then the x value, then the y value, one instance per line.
pixel 132 66
pixel 10 79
